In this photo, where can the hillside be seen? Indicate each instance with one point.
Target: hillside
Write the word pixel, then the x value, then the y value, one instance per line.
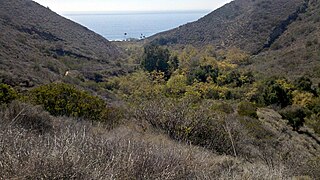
pixel 38 46
pixel 246 24
pixel 296 51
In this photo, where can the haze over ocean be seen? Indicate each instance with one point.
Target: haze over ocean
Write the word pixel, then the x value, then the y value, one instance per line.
pixel 113 26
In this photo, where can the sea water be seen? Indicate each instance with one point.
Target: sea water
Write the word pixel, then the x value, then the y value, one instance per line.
pixel 125 25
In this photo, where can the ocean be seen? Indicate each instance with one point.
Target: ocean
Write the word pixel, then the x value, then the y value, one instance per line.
pixel 118 26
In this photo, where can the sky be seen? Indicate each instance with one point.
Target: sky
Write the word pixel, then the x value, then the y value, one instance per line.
pixel 131 5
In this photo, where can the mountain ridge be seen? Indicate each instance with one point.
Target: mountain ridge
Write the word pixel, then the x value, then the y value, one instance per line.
pixel 244 24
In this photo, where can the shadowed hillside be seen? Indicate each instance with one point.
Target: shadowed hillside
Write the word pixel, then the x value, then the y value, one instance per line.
pixel 38 46
pixel 246 24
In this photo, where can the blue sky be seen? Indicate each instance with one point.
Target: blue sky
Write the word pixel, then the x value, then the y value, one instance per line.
pixel 131 5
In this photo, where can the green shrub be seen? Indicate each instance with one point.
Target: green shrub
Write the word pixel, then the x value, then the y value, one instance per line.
pixel 295 115
pixel 223 107
pixel 7 94
pixel 278 92
pixel 314 105
pixel 314 122
pixel 203 74
pixel 304 84
pixel 247 109
pixel 65 100
pixel 176 86
pixel 256 128
pixel 235 78
pixel 274 91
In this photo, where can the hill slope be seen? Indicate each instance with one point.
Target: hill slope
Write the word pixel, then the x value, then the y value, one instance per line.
pixel 296 51
pixel 246 24
pixel 38 46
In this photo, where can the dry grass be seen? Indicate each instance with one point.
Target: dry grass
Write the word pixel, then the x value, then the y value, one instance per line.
pixel 80 150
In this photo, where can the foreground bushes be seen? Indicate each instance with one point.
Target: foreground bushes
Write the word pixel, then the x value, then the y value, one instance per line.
pixel 80 150
pixel 195 124
pixel 26 116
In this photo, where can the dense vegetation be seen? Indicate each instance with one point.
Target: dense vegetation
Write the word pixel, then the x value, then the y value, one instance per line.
pixel 68 149
pixel 180 112
pixel 209 75
pixel 202 98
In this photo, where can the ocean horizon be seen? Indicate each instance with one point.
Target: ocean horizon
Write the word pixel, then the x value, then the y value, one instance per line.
pixel 122 25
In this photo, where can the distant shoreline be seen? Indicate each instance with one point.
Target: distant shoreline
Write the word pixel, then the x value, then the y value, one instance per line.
pixel 131 12
pixel 119 26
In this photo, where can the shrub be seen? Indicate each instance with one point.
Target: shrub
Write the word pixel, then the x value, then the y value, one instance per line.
pixel 176 86
pixel 80 150
pixel 247 109
pixel 7 94
pixel 304 84
pixel 209 91
pixel 314 105
pixel 223 107
pixel 173 63
pixel 235 78
pixel 28 117
pixel 203 74
pixel 295 115
pixel 65 100
pixel 314 122
pixel 137 85
pixel 186 122
pixel 302 98
pixel 276 91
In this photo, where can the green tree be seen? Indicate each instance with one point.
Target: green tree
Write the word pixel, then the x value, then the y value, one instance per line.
pixel 155 58
pixel 277 91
